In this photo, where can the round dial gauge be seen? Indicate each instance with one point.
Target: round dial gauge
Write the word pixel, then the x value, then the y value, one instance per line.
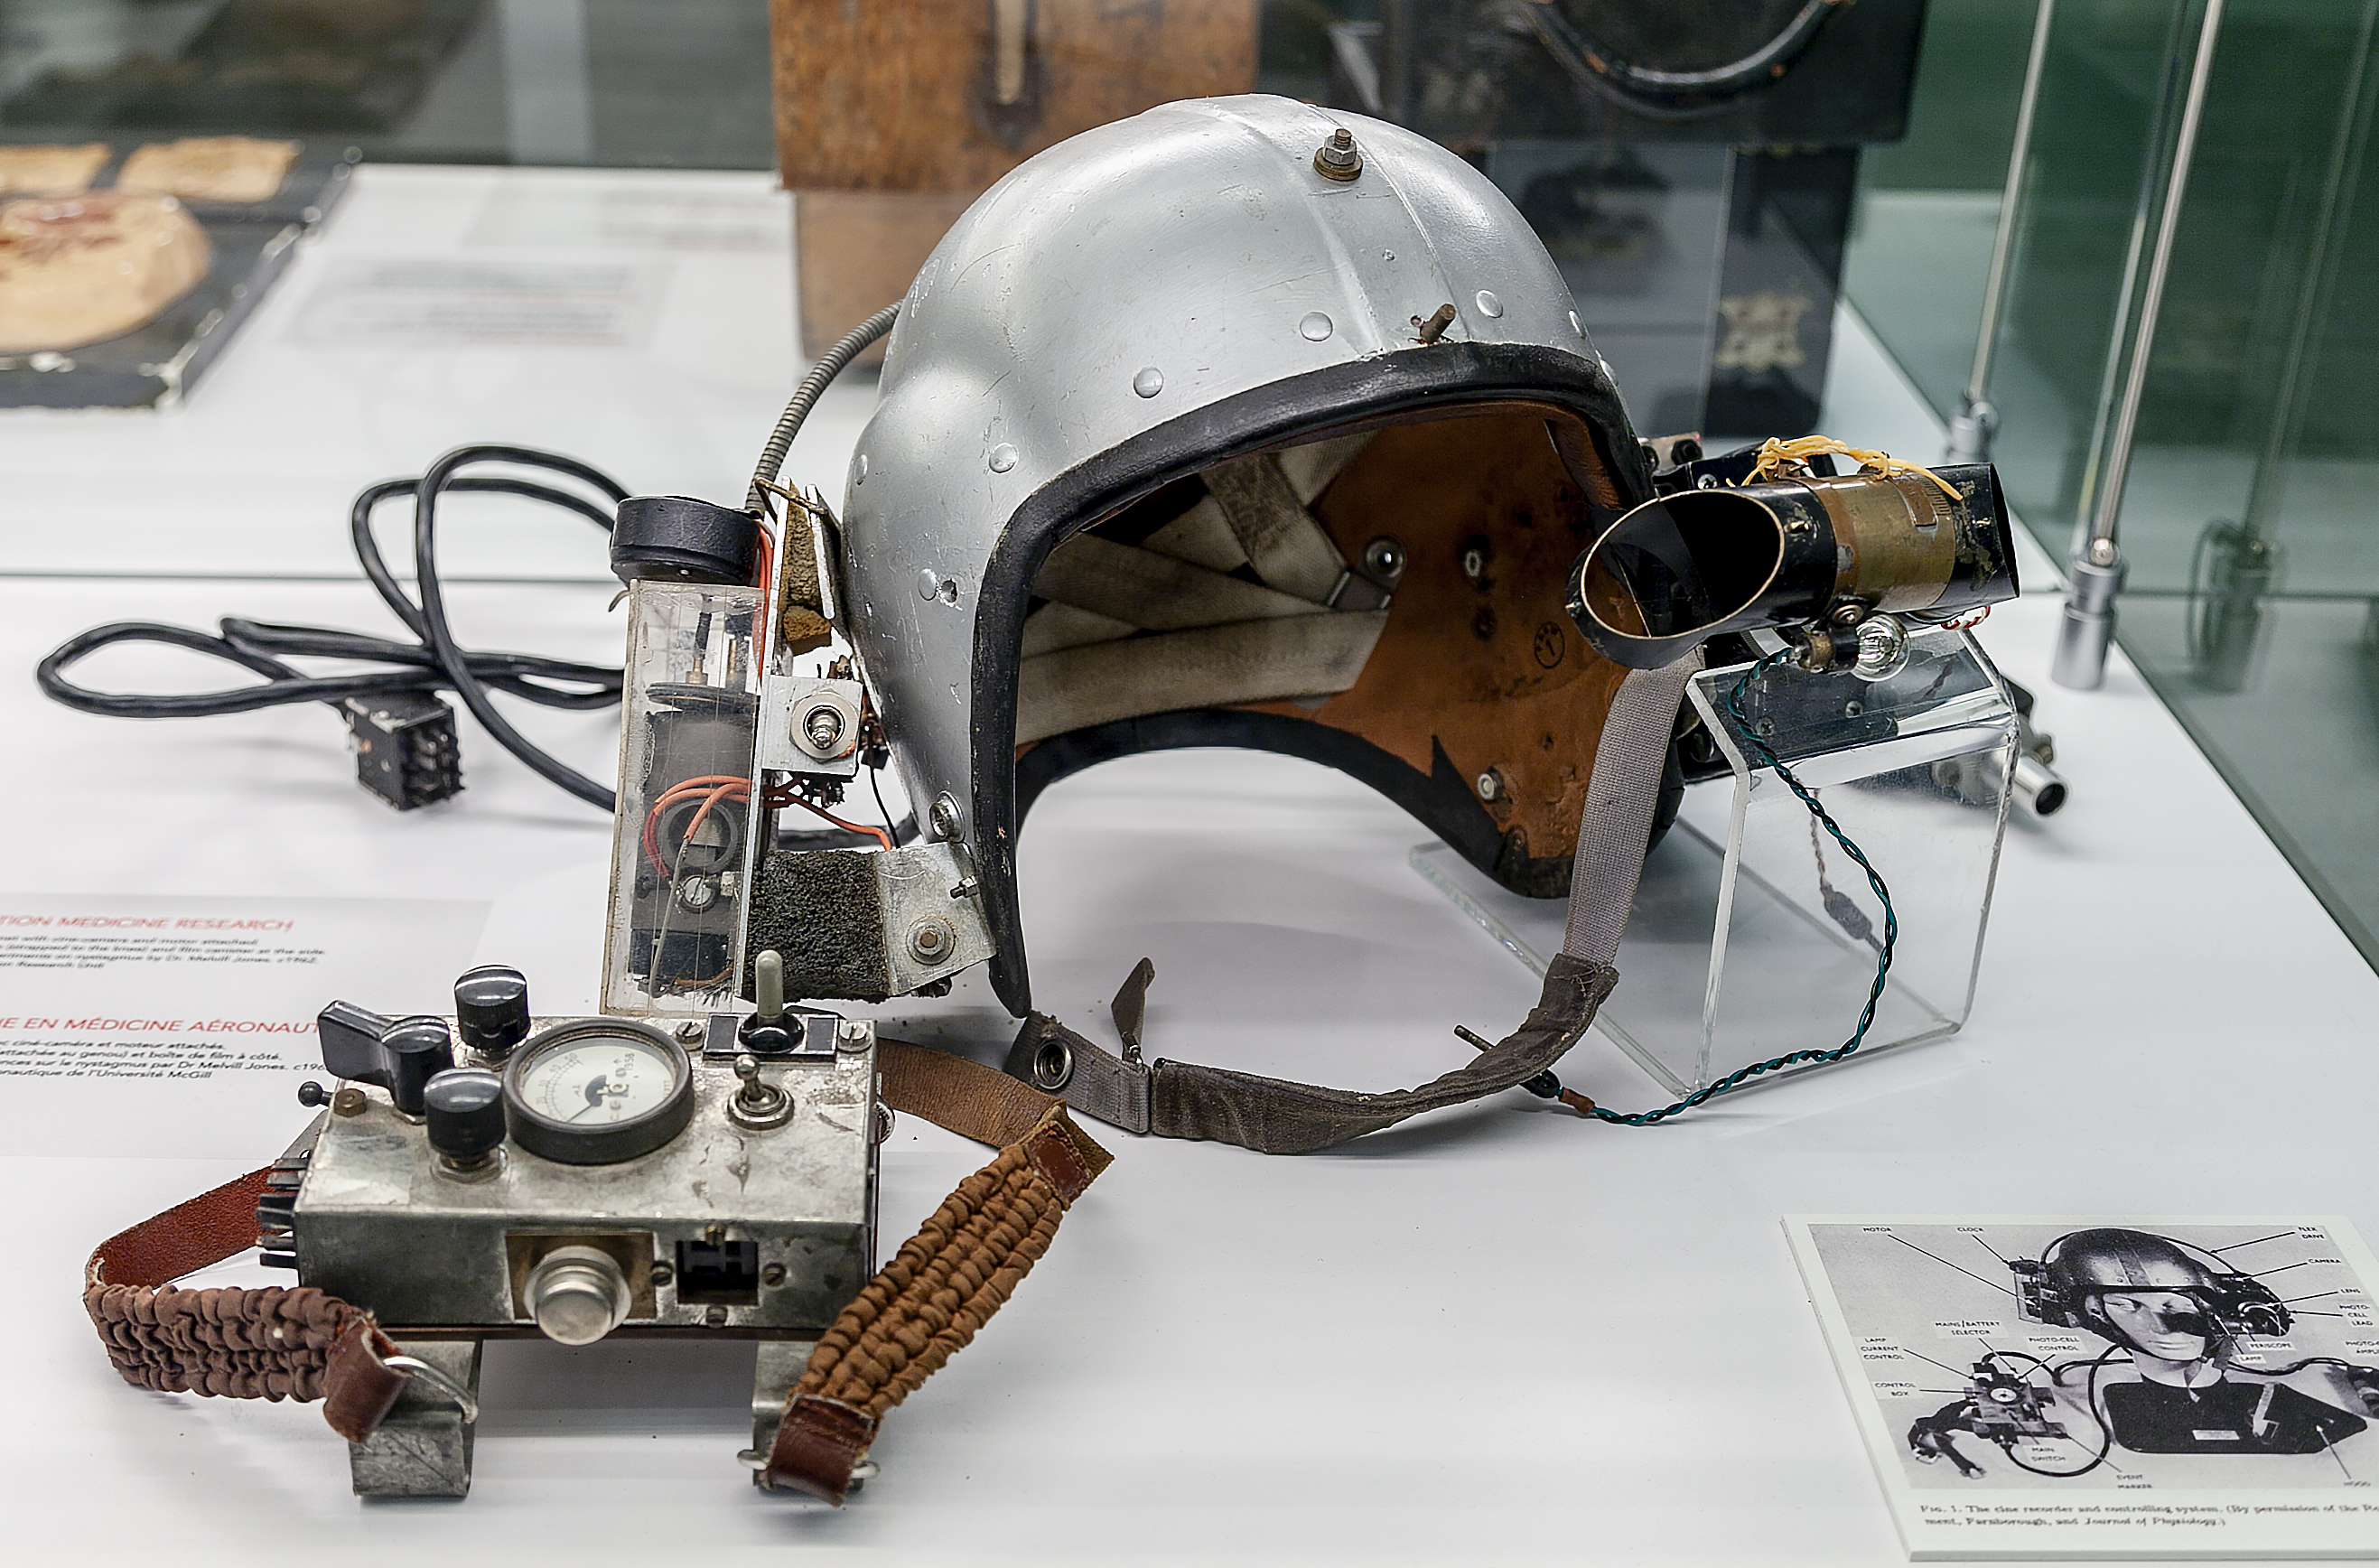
pixel 598 1090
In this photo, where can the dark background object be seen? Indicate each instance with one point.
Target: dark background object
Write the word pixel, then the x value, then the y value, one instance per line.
pixel 265 67
pixel 1702 233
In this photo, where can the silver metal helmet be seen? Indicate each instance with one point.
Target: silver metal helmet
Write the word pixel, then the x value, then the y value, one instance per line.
pixel 1147 303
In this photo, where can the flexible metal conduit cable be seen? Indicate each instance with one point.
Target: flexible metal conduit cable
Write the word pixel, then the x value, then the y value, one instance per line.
pixel 835 361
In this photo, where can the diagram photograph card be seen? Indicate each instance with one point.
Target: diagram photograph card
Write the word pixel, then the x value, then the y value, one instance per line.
pixel 2115 1388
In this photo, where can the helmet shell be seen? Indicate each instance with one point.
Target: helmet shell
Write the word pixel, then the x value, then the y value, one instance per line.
pixel 1132 306
pixel 2091 1261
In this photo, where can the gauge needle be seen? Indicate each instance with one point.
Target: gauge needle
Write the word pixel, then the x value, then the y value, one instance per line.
pixel 595 1090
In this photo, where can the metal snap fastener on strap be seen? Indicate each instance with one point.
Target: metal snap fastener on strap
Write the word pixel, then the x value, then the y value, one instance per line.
pixel 1053 1065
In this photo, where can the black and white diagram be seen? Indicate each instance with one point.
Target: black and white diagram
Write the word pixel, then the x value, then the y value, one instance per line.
pixel 2109 1386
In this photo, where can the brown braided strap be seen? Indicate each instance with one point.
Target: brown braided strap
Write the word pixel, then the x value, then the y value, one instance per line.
pixel 269 1343
pixel 929 1301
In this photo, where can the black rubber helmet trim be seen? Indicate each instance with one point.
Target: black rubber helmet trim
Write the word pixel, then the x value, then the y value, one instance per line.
pixel 1443 375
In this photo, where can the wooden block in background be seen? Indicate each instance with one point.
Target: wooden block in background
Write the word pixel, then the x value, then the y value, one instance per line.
pixel 920 95
pixel 855 251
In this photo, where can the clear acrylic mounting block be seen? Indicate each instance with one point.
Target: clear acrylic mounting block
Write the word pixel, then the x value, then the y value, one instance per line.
pixel 1731 955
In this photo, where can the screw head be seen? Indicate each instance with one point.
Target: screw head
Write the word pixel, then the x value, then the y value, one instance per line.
pixel 773 1275
pixel 1489 785
pixel 946 816
pixel 691 1030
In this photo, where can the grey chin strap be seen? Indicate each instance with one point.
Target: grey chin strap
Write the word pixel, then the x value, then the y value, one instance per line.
pixel 1275 1116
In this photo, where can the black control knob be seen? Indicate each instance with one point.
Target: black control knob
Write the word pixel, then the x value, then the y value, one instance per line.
pixel 464 1107
pixel 418 1050
pixel 492 1011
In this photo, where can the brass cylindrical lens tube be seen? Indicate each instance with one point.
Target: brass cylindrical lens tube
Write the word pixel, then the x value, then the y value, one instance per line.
pixel 1680 570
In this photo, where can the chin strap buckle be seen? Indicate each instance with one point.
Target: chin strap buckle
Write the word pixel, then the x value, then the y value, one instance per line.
pixel 1055 1060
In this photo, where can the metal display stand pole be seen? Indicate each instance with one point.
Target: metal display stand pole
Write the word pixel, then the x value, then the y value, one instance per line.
pixel 2098 570
pixel 2236 565
pixel 1977 420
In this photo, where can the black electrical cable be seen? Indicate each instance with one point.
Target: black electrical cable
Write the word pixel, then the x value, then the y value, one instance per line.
pixel 367 549
pixel 440 636
pixel 432 661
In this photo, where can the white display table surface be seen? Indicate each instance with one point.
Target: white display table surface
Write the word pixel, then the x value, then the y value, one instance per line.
pixel 1496 1335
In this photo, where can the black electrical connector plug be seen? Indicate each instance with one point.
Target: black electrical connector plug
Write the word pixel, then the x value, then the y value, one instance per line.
pixel 407 751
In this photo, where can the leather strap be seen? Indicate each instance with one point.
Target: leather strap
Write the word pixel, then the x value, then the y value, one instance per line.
pixel 1148 591
pixel 185 1238
pixel 272 1344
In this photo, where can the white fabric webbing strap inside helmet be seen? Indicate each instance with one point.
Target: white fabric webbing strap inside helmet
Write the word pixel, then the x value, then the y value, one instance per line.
pixel 1251 661
pixel 1277 1117
pixel 1287 548
pixel 1149 592
pixel 1162 625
